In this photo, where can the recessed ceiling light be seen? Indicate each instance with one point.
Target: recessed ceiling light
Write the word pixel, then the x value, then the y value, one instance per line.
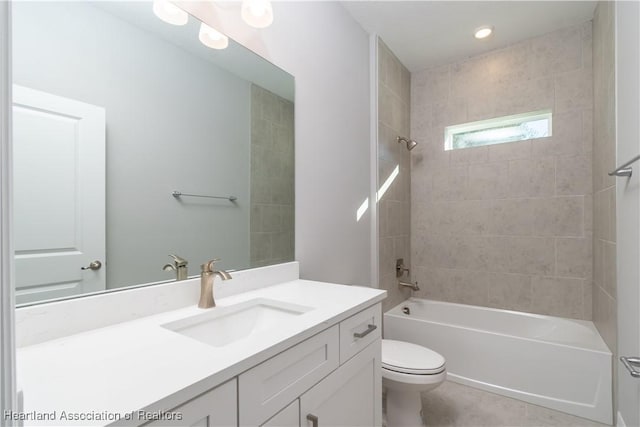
pixel 483 32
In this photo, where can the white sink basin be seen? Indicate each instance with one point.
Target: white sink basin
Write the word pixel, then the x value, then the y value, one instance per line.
pixel 221 326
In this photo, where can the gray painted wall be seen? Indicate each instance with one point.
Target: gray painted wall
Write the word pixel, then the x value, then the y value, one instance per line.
pixel 174 121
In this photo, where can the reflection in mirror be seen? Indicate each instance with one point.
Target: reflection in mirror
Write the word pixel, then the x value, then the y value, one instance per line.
pixel 114 111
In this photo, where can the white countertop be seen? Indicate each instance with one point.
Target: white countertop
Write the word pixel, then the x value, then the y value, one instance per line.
pixel 139 365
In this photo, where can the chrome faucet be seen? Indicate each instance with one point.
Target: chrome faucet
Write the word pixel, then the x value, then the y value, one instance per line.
pixel 179 266
pixel 206 283
pixel 412 286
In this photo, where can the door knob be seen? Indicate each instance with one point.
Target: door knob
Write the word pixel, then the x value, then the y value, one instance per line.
pixel 94 265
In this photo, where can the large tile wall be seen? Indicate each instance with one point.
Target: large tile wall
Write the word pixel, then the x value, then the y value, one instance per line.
pixel 394 208
pixel 604 186
pixel 271 228
pixel 509 225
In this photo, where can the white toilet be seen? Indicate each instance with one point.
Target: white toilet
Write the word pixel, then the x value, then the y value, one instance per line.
pixel 407 370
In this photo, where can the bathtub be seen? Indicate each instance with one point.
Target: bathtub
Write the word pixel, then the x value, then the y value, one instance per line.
pixel 561 364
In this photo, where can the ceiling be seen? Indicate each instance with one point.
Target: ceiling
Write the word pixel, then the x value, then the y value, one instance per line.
pixel 424 34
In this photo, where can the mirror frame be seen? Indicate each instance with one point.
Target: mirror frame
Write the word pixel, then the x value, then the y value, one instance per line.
pixel 8 388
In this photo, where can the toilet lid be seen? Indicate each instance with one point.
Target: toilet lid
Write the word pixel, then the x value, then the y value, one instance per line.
pixel 410 358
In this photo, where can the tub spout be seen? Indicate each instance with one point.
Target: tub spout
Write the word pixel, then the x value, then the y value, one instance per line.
pixel 412 286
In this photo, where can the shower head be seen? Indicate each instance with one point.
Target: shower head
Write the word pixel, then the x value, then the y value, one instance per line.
pixel 411 144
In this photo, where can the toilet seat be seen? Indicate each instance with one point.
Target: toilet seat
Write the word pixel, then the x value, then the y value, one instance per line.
pixel 408 358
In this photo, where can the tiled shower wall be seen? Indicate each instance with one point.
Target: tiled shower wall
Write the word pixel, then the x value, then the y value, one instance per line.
pixel 604 186
pixel 394 217
pixel 271 229
pixel 509 225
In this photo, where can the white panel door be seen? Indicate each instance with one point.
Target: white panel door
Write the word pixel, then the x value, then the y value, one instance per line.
pixel 59 195
pixel 628 204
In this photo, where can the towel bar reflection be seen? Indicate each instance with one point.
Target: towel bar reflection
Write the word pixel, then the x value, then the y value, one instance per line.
pixel 625 170
pixel 178 194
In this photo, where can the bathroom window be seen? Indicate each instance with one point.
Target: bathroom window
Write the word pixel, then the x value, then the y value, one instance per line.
pixel 499 130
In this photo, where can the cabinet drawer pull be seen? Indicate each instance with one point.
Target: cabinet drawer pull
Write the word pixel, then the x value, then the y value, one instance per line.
pixel 370 328
pixel 313 419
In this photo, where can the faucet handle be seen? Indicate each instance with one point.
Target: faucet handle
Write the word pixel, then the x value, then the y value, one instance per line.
pixel 178 261
pixel 208 266
pixel 400 268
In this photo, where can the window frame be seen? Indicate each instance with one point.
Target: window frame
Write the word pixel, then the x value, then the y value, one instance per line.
pixel 494 123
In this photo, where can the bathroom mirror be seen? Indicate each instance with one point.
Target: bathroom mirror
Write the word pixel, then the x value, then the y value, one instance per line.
pixel 115 113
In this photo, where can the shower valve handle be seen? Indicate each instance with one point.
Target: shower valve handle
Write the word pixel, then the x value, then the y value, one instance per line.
pixel 400 268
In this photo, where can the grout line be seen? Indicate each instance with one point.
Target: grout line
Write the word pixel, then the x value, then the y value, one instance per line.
pixel 555 257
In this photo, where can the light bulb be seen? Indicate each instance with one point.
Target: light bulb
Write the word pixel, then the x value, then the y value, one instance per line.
pixel 257 13
pixel 169 12
pixel 483 32
pixel 212 38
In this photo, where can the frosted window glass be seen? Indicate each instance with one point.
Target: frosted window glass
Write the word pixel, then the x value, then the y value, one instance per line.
pixel 499 130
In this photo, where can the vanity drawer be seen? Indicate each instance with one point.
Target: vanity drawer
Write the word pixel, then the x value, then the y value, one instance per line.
pixel 267 388
pixel 358 331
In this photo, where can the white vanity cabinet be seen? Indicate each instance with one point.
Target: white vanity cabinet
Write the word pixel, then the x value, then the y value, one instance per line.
pixel 267 388
pixel 304 349
pixel 215 408
pixel 288 417
pixel 333 377
pixel 350 396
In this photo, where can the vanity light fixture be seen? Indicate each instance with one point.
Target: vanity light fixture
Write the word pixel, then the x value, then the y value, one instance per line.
pixel 483 32
pixel 169 12
pixel 212 38
pixel 257 13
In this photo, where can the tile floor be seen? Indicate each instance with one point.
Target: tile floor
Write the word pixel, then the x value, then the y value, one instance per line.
pixel 457 405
